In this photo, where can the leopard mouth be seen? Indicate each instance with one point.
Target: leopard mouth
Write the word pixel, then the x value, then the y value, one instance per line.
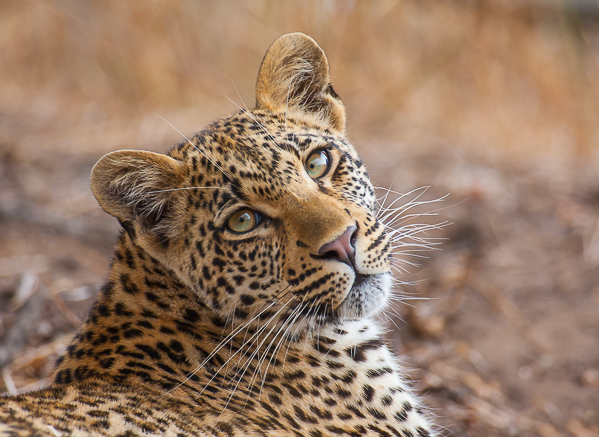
pixel 360 278
pixel 367 296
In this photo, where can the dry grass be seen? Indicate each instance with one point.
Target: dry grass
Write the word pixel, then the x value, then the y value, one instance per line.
pixel 496 102
pixel 480 74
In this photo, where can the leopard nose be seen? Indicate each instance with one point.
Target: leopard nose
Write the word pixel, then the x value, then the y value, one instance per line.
pixel 342 249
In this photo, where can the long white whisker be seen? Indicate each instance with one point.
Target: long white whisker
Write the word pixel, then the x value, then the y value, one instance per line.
pixel 194 146
pixel 255 120
pixel 225 341
pixel 261 362
pixel 251 358
pixel 179 189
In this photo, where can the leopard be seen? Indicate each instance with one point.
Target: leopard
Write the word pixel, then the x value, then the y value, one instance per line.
pixel 243 292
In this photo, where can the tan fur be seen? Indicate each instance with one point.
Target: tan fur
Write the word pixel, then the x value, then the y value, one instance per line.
pixel 201 330
pixel 294 75
pixel 132 184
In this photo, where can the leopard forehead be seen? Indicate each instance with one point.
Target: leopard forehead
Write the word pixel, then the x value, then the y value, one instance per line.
pixel 260 156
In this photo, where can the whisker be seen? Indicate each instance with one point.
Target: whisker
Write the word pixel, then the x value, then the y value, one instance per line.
pixel 251 357
pixel 253 117
pixel 179 189
pixel 274 352
pixel 240 98
pixel 225 341
pixel 195 147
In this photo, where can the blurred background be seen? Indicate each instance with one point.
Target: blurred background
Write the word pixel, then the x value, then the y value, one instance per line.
pixel 495 102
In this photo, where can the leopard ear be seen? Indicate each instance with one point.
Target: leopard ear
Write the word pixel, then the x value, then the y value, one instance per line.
pixel 295 74
pixel 136 186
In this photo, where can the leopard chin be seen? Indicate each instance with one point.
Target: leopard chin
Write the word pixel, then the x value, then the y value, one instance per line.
pixel 368 296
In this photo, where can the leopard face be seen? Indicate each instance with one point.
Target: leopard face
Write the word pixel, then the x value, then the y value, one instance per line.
pixel 269 214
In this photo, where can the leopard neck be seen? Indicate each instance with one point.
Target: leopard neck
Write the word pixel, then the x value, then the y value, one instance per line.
pixel 150 332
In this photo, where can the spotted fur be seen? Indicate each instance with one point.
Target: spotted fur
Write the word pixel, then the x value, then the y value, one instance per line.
pixel 203 331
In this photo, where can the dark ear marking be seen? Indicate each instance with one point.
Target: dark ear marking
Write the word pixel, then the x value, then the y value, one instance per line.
pixel 128 227
pixel 332 92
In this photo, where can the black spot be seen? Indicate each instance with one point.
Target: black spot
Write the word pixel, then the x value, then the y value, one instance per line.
pixel 176 346
pixel 292 391
pixel 148 314
pixel 349 377
pixel 103 310
pixel 386 400
pixel 166 368
pixel 166 330
pixel 82 372
pixel 145 324
pixel 378 372
pixel 119 309
pixel 401 416
pixel 275 399
pixel 335 429
pixel 151 296
pixel 302 416
pixel 383 433
pixel 422 432
pixel 247 299
pixel 191 316
pixel 356 411
pixel 368 393
pixel 313 361
pixel 155 284
pixel 334 364
pixel 292 421
pixel 359 353
pixel 322 414
pixel 377 414
pixel 128 286
pixel 149 350
pixel 330 402
pixel 107 289
pixel 299 374
pixel 132 333
pixel 344 393
pixel 63 376
pixel 218 262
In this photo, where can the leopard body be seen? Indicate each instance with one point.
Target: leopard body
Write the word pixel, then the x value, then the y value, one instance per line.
pixel 213 325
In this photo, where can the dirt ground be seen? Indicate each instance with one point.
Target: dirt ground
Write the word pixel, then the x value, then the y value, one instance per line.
pixel 494 106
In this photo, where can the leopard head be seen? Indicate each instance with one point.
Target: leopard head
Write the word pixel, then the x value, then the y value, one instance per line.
pixel 267 214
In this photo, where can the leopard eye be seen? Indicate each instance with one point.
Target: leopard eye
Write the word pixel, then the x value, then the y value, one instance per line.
pixel 318 164
pixel 244 221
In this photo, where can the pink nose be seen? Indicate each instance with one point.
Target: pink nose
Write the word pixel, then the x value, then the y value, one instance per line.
pixel 341 249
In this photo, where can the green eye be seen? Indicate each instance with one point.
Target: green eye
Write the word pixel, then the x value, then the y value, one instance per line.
pixel 244 220
pixel 318 164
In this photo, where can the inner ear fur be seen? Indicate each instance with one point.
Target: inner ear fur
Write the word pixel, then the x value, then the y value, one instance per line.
pixel 295 75
pixel 137 186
